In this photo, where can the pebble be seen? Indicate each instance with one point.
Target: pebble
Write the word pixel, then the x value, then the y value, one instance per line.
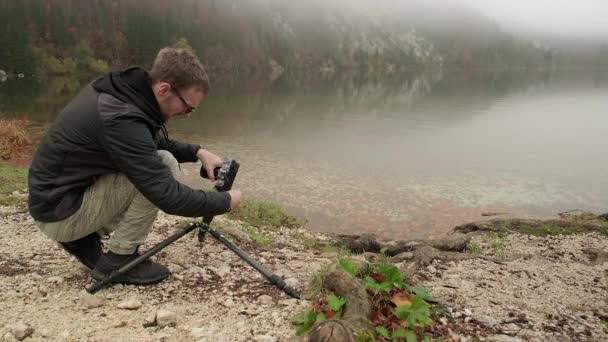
pixel 131 304
pixel 229 303
pixel 21 330
pixel 55 280
pixel 198 333
pixel 265 300
pixel 264 338
pixel 90 301
pixel 504 338
pixel 431 269
pixel 467 312
pixel 291 282
pixel 166 318
pixel 486 321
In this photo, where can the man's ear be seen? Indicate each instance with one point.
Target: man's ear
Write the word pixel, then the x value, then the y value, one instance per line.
pixel 163 88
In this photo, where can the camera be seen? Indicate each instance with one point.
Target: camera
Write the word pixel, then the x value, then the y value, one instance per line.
pixel 224 175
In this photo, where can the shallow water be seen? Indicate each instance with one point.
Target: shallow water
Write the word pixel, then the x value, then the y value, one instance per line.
pixel 405 156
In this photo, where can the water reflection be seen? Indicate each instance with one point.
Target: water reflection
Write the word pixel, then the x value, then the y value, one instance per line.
pixel 405 154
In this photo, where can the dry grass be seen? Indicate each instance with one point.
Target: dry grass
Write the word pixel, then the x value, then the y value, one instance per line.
pixel 13 134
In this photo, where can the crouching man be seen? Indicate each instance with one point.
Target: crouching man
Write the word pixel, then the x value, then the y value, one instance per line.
pixel 107 165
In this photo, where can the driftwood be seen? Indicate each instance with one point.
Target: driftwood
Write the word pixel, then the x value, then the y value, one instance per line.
pixel 356 310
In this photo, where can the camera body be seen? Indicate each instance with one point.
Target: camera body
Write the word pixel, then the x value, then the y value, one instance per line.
pixel 224 175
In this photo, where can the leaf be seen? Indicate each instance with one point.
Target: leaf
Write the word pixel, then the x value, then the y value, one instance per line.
pixel 409 335
pixel 320 317
pixel 303 317
pixel 420 291
pixel 391 275
pixel 348 266
pixel 401 298
pixel 302 329
pixel 304 321
pixel 416 314
pixel 335 303
pixel 383 332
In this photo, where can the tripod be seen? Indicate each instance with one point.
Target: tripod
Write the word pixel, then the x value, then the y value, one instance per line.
pixel 225 177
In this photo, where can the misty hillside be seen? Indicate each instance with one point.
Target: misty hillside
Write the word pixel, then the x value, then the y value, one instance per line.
pixel 60 36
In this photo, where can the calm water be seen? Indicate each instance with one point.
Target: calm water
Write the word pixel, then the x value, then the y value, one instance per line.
pixel 405 156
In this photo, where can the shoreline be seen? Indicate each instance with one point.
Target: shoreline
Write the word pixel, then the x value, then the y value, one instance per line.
pixel 502 287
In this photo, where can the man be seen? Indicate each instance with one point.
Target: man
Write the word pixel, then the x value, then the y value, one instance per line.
pixel 107 165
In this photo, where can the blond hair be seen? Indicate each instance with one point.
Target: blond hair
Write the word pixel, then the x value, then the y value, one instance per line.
pixel 180 68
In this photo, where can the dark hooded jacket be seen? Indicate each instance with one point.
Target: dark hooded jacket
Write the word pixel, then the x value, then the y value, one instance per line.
pixel 114 125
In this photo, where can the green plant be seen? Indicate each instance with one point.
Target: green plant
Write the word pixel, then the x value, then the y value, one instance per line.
pixel 409 335
pixel 474 248
pixel 497 246
pixel 12 179
pixel 382 278
pixel 416 314
pixel 348 267
pixel 258 237
pixel 315 284
pixel 332 307
pixel 264 214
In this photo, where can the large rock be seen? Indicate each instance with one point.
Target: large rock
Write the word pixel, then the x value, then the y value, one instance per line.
pixel 21 330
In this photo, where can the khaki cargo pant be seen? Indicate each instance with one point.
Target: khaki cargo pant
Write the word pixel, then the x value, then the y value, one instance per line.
pixel 112 204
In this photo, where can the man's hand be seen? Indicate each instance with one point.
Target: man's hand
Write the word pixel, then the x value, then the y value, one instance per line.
pixel 235 198
pixel 210 161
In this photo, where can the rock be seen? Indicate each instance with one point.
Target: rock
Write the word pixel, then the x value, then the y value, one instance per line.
pixel 21 330
pixel 431 269
pixel 288 302
pixel 197 270
pixel 228 303
pixel 264 338
pixel 504 338
pixel 55 280
pixel 291 282
pixel 166 318
pixel 265 300
pixel 467 312
pixel 90 301
pixel 15 193
pixel 486 321
pixel 131 304
pixel 510 329
pixel 198 333
pixel 403 256
pixel 223 270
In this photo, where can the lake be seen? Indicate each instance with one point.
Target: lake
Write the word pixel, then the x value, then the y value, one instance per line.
pixel 403 155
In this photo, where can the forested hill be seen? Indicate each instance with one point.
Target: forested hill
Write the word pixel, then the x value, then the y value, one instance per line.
pixel 63 36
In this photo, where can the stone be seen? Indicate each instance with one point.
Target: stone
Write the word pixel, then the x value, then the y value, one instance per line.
pixel 504 338
pixel 228 303
pixel 291 282
pixel 265 300
pixel 467 312
pixel 90 301
pixel 55 280
pixel 431 269
pixel 403 256
pixel 486 321
pixel 264 338
pixel 131 304
pixel 166 318
pixel 21 330
pixel 198 333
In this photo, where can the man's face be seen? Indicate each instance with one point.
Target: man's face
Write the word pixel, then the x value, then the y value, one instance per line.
pixel 177 102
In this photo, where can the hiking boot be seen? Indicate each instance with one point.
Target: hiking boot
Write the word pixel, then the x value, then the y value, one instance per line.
pixel 148 272
pixel 87 249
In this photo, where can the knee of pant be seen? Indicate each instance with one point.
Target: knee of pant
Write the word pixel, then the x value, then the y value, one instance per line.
pixel 169 160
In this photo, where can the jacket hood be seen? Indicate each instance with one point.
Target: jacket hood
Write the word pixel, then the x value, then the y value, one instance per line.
pixel 131 86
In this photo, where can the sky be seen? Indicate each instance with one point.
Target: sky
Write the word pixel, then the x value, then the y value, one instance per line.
pixel 577 18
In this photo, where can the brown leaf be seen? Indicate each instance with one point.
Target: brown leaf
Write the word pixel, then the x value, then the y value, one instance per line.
pixel 401 298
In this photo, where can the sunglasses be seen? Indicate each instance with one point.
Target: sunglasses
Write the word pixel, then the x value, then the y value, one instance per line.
pixel 189 109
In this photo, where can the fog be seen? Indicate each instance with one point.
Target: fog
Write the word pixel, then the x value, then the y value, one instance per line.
pixel 566 18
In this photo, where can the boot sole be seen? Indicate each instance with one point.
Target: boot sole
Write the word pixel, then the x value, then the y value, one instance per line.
pixel 125 279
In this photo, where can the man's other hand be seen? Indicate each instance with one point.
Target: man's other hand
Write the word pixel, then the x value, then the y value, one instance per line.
pixel 210 161
pixel 235 198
